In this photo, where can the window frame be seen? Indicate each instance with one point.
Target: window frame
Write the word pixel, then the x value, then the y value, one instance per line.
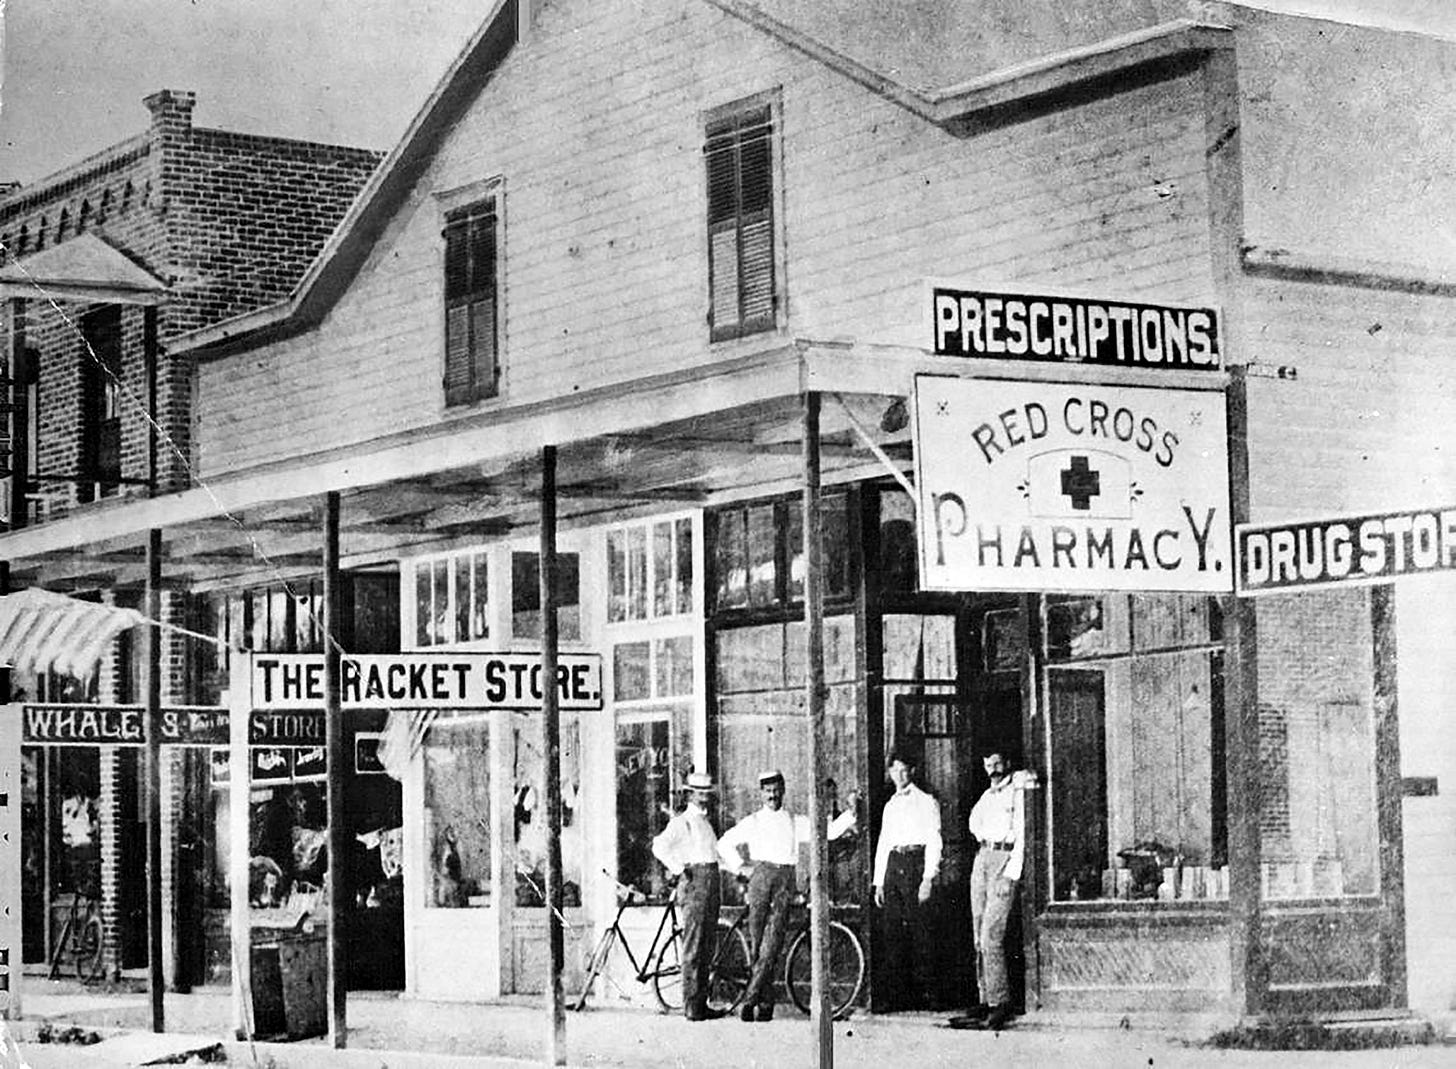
pixel 465 206
pixel 733 120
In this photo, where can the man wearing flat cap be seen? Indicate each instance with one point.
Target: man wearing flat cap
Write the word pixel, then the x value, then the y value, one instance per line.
pixel 688 849
pixel 764 846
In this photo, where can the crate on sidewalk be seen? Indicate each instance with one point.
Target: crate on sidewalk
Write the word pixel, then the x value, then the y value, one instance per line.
pixel 290 986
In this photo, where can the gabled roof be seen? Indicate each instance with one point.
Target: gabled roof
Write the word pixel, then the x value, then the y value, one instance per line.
pixel 1054 53
pixel 85 268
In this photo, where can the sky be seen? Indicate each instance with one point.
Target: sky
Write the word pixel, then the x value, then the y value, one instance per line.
pixel 345 71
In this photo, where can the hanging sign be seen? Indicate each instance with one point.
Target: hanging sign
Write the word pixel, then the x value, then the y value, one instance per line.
pixel 122 725
pixel 1054 487
pixel 366 753
pixel 1078 330
pixel 271 764
pixel 1373 548
pixel 426 680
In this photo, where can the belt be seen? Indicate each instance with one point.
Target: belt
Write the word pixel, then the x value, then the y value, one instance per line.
pixel 919 848
pixel 701 866
pixel 1005 844
pixel 773 865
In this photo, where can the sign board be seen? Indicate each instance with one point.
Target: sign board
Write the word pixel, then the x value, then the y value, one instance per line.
pixel 271 764
pixel 980 323
pixel 1053 486
pixel 121 725
pixel 440 681
pixel 1373 548
pixel 366 752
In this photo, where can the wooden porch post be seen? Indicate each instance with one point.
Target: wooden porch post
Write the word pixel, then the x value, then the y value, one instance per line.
pixel 334 743
pixel 152 637
pixel 822 1017
pixel 551 732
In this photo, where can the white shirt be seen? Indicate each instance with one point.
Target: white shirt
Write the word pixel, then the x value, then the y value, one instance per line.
pixel 997 818
pixel 911 818
pixel 688 839
pixel 774 836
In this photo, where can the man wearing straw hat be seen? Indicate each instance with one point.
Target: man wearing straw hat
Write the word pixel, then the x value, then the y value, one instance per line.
pixel 688 849
pixel 770 838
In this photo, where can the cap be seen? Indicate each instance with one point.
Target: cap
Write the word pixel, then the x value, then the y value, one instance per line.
pixel 698 781
pixel 770 777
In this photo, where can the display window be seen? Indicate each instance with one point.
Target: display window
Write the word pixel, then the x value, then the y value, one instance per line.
pixel 457 816
pixel 1135 713
pixel 530 812
pixel 526 596
pixel 650 570
pixel 451 599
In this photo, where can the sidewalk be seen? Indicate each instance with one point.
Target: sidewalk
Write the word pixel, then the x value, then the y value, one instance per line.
pixel 399 1033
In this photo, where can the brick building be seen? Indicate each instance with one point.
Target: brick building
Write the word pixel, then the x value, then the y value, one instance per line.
pixel 647 240
pixel 106 264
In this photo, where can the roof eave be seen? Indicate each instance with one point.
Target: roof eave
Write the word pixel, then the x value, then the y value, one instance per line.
pixel 347 249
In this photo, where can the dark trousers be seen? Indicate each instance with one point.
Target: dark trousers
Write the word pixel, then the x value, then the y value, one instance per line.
pixel 907 935
pixel 698 896
pixel 769 889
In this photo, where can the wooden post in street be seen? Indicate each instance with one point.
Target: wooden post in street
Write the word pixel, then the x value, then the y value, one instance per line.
pixel 152 644
pixel 338 885
pixel 822 1018
pixel 551 732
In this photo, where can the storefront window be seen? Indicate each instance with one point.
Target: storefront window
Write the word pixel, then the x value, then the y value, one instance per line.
pixel 457 812
pixel 530 813
pixel 649 570
pixel 1135 711
pixel 758 553
pixel 1317 805
pixel 645 760
pixel 526 596
pixel 452 599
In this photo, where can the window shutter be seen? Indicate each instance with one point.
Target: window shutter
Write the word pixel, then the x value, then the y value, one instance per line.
pixel 739 155
pixel 459 372
pixel 471 352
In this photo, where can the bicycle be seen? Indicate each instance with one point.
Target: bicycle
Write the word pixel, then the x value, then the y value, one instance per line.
pixel 845 974
pixel 82 938
pixel 662 964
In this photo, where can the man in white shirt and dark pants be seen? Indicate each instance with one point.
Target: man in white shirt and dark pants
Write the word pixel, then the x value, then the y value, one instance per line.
pixel 688 849
pixel 765 846
pixel 997 822
pixel 907 860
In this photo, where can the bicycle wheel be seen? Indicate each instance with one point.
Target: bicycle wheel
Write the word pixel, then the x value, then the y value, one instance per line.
pixel 728 975
pixel 667 974
pixel 592 967
pixel 846 970
pixel 89 944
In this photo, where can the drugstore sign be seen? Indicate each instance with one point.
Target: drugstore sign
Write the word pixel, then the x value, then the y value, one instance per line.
pixel 1053 486
pixel 426 680
pixel 1371 548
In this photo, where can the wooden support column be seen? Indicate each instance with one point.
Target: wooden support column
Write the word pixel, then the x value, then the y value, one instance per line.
pixel 822 1019
pixel 334 743
pixel 551 747
pixel 152 643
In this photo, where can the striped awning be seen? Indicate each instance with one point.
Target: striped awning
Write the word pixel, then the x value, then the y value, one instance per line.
pixel 41 631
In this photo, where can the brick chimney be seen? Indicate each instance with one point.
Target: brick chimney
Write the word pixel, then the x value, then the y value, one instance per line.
pixel 171 111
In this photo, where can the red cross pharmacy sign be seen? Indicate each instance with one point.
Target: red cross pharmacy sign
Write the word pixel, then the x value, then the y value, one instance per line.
pixel 1043 486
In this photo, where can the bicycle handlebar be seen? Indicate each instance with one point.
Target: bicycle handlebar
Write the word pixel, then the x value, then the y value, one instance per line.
pixel 630 890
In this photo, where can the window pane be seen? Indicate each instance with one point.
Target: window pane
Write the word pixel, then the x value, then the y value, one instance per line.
pixel 762 556
pixel 731 553
pixel 794 549
pixel 684 574
pixel 644 798
pixel 423 609
pixel 662 576
pixel 530 814
pixel 836 545
pixel 632 674
pixel 674 658
pixel 479 596
pixel 616 575
pixel 457 814
pixel 636 573
pixel 526 595
pixel 461 624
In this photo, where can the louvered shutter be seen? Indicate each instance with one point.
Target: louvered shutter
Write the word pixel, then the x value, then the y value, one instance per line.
pixel 739 155
pixel 470 296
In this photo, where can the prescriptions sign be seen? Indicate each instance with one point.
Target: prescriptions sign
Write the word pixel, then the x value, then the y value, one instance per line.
pixel 1054 486
pixel 426 680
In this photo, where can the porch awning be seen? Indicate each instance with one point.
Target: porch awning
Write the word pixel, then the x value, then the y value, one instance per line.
pixel 41 631
pixel 85 268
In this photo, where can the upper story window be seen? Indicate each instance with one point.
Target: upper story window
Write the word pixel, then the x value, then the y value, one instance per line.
pixel 649 570
pixel 101 370
pixel 472 283
pixel 452 599
pixel 739 154
pixel 758 553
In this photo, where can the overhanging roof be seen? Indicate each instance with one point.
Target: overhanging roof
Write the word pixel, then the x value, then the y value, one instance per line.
pixel 85 268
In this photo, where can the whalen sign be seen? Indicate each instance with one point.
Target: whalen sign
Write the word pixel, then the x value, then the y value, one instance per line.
pixel 1019 326
pixel 122 725
pixel 1373 548
pixel 1051 486
pixel 426 680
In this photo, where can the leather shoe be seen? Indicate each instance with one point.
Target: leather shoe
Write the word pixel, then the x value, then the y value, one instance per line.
pixel 706 1014
pixel 746 1013
pixel 998 1018
pixel 966 1022
pixel 765 1012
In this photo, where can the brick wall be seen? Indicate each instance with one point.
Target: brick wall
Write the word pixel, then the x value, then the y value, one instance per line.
pixel 228 221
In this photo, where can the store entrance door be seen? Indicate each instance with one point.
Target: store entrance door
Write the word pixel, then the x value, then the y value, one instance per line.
pixel 946 733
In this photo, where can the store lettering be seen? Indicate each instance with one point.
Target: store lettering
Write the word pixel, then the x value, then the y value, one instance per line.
pixel 58 723
pixel 516 680
pixel 278 728
pixel 1367 547
pixel 1063 546
pixel 1081 418
pixel 438 681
